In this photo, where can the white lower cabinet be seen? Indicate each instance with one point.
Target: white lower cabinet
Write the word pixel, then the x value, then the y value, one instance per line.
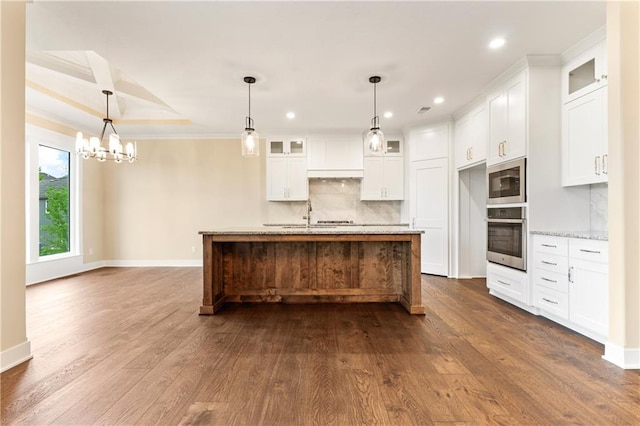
pixel 570 283
pixel 503 281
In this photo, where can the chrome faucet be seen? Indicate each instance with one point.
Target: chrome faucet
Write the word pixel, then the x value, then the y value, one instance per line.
pixel 308 216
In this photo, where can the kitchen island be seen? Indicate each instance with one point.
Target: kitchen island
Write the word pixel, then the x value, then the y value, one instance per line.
pixel 316 264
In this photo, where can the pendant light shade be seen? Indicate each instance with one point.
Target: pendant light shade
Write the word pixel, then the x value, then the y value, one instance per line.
pixel 375 137
pixel 250 139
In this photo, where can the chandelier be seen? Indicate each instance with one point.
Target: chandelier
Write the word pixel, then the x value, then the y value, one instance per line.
pixel 92 147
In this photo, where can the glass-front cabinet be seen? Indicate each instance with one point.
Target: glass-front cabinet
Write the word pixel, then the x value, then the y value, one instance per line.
pixel 392 147
pixel 281 146
pixel 585 73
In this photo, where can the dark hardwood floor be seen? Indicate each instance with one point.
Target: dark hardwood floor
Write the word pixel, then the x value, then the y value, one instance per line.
pixel 126 346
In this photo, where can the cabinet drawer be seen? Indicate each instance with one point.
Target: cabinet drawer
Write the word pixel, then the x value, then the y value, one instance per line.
pixel 551 263
pixel 509 283
pixel 552 280
pixel 593 251
pixel 551 301
pixel 551 245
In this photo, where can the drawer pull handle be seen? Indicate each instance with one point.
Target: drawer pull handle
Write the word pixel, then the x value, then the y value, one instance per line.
pixel 549 301
pixel 549 245
pixel 548 280
pixel 503 283
pixel 549 263
pixel 590 251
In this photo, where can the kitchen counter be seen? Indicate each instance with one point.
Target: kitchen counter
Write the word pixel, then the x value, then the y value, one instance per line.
pixel 588 235
pixel 319 264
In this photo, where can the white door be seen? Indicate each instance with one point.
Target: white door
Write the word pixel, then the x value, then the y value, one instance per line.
pixel 276 178
pixel 298 189
pixel 588 296
pixel 373 180
pixel 429 186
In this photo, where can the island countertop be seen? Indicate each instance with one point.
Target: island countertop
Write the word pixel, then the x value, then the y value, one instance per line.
pixel 316 230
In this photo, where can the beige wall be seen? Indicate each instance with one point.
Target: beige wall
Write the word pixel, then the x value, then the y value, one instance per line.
pixel 12 164
pixel 92 210
pixel 623 48
pixel 155 207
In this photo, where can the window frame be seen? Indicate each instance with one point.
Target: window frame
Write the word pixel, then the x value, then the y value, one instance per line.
pixel 36 136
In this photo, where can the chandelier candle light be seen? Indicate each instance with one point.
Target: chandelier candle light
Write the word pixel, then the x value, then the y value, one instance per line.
pixel 92 148
pixel 250 138
pixel 375 137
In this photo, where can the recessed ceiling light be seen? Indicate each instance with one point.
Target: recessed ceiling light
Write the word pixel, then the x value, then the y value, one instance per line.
pixel 388 114
pixel 497 43
pixel 291 115
pixel 438 100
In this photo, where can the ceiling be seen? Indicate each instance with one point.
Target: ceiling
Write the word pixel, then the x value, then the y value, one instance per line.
pixel 177 67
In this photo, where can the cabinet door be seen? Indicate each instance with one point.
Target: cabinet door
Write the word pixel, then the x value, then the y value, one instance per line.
pixel 589 296
pixel 584 140
pixel 276 179
pixel 477 137
pixel 516 141
pixel 462 141
pixel 372 182
pixel 429 211
pixel 585 73
pixel 393 178
pixel 508 121
pixel 497 104
pixel 317 153
pixel 297 183
pixel 296 147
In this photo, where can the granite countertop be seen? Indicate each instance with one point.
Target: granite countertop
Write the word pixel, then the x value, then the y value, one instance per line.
pixel 588 235
pixel 315 229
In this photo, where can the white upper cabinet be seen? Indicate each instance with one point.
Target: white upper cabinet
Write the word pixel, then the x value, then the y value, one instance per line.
pixel 287 179
pixel 471 138
pixel 507 121
pixel 584 139
pixel 286 146
pixel 334 156
pixel 392 147
pixel 430 143
pixel 585 73
pixel 287 169
pixel 383 179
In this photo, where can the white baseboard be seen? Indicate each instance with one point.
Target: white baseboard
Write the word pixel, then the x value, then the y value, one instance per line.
pixel 155 263
pixel 627 358
pixel 15 355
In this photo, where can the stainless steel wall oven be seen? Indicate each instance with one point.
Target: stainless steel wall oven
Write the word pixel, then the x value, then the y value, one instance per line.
pixel 507 236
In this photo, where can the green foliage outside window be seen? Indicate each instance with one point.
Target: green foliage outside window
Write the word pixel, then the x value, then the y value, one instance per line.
pixel 54 236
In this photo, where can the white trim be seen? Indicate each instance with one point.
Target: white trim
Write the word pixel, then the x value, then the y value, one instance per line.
pixel 15 355
pixel 627 358
pixel 584 44
pixel 49 269
pixel 151 263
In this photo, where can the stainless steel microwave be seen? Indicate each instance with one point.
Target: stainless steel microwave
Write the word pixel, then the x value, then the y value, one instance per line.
pixel 506 182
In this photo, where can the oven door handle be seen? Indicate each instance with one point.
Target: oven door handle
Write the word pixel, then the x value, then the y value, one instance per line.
pixel 506 220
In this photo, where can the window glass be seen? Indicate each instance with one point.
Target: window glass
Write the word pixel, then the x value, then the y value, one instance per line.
pixel 53 200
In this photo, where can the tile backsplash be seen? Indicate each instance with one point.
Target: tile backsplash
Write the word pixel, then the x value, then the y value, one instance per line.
pixel 599 199
pixel 335 199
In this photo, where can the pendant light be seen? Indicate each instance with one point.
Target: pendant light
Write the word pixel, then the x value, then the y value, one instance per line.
pixel 375 137
pixel 250 138
pixel 92 148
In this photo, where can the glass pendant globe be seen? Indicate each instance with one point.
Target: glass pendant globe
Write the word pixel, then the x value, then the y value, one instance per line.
pixel 375 140
pixel 250 143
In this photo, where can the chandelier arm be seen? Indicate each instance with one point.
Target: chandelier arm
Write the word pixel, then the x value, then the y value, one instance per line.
pixel 104 128
pixel 114 129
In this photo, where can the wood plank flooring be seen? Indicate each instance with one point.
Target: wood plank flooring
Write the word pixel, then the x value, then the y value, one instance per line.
pixel 126 346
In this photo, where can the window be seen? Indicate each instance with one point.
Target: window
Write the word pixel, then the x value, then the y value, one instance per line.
pixel 52 193
pixel 53 200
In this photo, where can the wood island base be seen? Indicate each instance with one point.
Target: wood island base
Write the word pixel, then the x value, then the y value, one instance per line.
pixel 309 267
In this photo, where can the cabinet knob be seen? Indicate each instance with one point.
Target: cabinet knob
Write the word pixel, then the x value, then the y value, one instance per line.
pixel 603 76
